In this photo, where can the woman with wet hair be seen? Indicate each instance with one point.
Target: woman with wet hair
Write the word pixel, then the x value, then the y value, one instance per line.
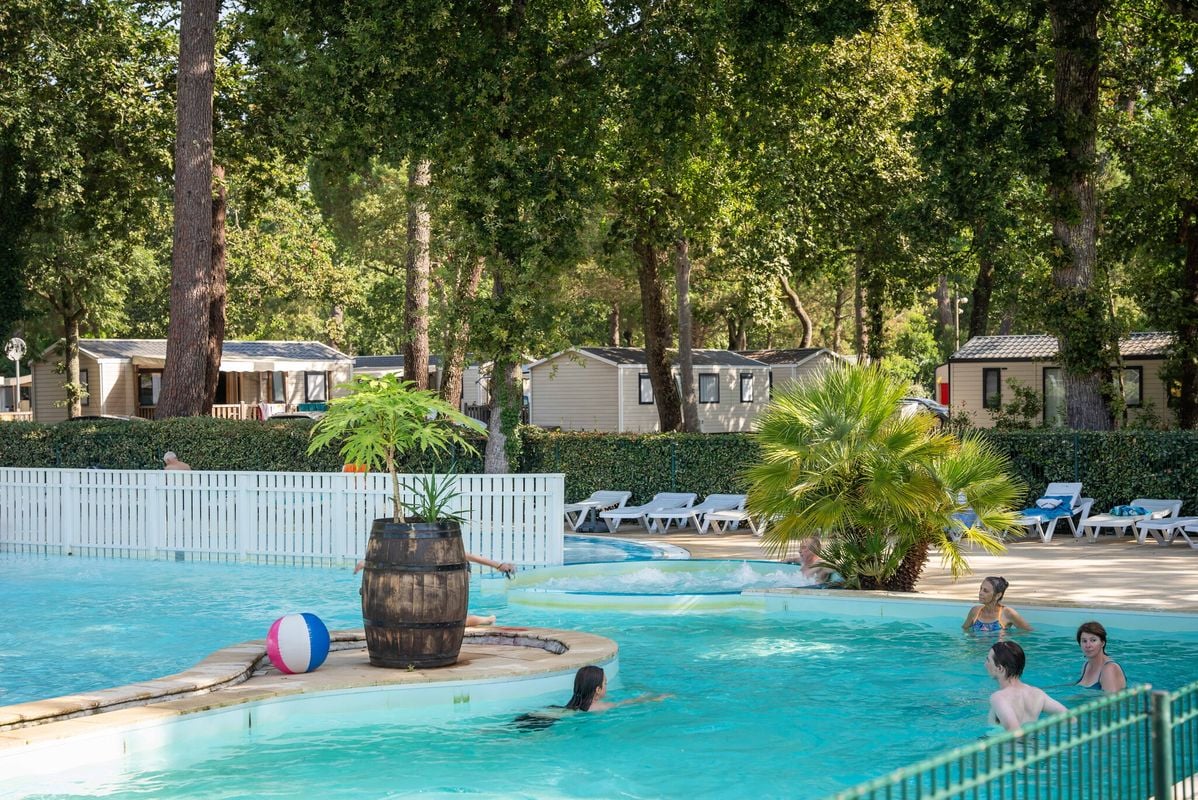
pixel 590 687
pixel 1015 703
pixel 1100 671
pixel 992 615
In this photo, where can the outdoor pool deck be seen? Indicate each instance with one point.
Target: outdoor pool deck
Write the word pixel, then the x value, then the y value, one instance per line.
pixel 1113 572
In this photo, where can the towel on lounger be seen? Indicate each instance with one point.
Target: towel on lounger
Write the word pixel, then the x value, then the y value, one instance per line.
pixel 1129 511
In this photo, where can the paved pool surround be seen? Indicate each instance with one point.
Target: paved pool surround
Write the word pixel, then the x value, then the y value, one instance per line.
pixel 110 724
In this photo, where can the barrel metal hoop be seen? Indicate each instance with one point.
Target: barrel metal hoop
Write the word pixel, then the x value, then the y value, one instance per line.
pixel 374 623
pixel 442 534
pixel 395 566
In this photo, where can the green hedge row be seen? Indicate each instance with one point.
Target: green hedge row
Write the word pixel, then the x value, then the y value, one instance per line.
pixel 202 442
pixel 1113 467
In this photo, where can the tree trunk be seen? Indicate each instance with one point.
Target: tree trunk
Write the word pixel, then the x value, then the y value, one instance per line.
pixel 1187 331
pixel 613 325
pixel 838 315
pixel 861 312
pixel 906 577
pixel 184 377
pixel 657 334
pixel 71 360
pixel 796 305
pixel 337 326
pixel 453 364
pixel 506 401
pixel 1076 312
pixel 415 350
pixel 218 291
pixel 876 315
pixel 1007 323
pixel 737 333
pixel 945 322
pixel 686 360
pixel 983 284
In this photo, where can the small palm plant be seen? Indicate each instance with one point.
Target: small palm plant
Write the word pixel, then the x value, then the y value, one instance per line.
pixel 838 459
pixel 382 418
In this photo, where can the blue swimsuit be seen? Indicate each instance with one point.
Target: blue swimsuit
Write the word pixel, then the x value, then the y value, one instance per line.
pixel 1098 683
pixel 986 627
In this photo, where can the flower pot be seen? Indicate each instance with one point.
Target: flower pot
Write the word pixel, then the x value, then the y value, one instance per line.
pixel 415 589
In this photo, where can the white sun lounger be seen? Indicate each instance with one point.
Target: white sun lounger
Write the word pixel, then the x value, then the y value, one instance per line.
pixel 598 501
pixel 1166 529
pixel 1044 526
pixel 1157 509
pixel 660 502
pixel 694 515
pixel 721 521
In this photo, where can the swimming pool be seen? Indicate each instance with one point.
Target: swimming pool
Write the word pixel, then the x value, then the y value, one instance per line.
pixel 766 704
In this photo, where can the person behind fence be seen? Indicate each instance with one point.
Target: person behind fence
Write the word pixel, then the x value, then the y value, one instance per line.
pixel 1015 703
pixel 1100 671
pixel 992 615
pixel 171 461
pixel 472 620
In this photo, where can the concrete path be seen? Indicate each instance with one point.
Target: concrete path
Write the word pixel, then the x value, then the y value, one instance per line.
pixel 1110 572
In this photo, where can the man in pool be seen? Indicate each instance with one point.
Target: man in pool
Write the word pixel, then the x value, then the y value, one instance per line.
pixel 1015 703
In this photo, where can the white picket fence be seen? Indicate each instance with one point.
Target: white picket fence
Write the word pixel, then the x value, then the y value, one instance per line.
pixel 294 517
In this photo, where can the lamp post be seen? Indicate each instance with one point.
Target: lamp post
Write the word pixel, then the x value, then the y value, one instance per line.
pixel 14 350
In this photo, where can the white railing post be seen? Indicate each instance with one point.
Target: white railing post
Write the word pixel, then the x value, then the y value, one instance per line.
pixel 244 513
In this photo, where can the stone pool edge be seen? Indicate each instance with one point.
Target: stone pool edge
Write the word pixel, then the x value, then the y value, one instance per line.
pixel 242 674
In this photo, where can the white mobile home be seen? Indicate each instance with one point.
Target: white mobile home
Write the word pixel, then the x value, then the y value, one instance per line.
pixel 608 389
pixel 793 365
pixel 123 377
pixel 977 380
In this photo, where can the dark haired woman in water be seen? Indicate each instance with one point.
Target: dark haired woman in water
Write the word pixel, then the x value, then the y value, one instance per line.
pixel 590 687
pixel 1100 670
pixel 992 615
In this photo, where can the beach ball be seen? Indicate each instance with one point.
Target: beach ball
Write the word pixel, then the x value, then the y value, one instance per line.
pixel 297 643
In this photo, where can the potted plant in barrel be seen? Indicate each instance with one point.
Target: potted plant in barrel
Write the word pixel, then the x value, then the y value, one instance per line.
pixel 416 579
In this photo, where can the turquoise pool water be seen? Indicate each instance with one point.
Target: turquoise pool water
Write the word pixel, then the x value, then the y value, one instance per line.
pixel 764 705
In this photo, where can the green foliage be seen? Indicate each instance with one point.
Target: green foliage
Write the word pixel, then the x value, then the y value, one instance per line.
pixel 838 459
pixel 381 419
pixel 865 561
pixel 434 493
pixel 643 464
pixel 1023 411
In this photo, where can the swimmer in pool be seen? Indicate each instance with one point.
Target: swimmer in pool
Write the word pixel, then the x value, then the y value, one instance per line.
pixel 1015 703
pixel 992 615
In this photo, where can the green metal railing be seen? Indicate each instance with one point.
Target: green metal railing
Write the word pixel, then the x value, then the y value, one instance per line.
pixel 1134 745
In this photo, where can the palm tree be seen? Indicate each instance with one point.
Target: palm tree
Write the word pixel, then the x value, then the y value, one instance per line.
pixel 838 458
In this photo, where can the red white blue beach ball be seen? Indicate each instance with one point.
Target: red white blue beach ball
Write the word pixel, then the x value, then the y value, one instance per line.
pixel 297 643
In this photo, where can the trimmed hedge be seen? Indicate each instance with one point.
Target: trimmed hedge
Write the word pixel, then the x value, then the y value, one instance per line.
pixel 202 442
pixel 1114 467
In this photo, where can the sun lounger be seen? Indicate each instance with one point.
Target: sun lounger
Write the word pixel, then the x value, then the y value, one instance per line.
pixel 660 502
pixel 598 501
pixel 1120 523
pixel 695 515
pixel 1166 529
pixel 720 522
pixel 1043 516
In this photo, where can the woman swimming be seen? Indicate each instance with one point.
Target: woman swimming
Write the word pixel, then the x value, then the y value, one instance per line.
pixel 992 615
pixel 1099 672
pixel 590 687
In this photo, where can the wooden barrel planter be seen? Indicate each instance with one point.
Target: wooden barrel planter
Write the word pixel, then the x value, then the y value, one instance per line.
pixel 415 590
